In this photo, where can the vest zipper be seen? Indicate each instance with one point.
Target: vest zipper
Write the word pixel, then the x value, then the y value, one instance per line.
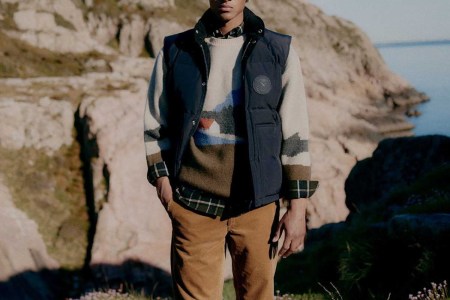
pixel 204 86
pixel 195 122
pixel 245 50
pixel 244 69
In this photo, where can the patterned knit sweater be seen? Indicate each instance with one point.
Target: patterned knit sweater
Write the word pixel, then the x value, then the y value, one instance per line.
pixel 219 142
pixel 216 159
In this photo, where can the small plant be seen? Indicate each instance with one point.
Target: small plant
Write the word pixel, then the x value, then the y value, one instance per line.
pixel 335 294
pixel 437 292
pixel 309 296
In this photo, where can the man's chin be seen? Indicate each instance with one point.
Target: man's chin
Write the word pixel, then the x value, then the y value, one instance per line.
pixel 224 16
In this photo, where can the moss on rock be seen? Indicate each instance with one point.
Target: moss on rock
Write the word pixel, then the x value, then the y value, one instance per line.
pixel 20 59
pixel 49 189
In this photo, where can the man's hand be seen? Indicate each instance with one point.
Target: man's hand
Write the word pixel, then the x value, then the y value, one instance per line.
pixel 293 223
pixel 164 190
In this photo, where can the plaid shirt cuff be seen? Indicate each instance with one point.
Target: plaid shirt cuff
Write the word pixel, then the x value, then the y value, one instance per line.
pixel 157 170
pixel 300 189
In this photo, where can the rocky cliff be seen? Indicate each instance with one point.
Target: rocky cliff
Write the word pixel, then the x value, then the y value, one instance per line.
pixel 74 77
pixel 395 240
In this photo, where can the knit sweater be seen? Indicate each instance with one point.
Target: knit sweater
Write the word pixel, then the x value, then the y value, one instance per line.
pixel 219 141
pixel 216 156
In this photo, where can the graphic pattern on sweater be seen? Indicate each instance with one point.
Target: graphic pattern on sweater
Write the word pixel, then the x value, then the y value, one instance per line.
pixel 222 125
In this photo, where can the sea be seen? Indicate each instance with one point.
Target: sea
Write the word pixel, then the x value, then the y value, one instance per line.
pixel 426 65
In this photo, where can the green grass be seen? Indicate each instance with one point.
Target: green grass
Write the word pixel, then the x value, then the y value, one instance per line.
pixel 228 294
pixel 228 290
pixel 428 194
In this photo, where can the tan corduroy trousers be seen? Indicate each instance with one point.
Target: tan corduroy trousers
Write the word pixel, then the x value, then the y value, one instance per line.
pixel 198 253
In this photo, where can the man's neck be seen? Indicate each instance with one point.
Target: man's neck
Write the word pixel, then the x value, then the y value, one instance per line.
pixel 231 24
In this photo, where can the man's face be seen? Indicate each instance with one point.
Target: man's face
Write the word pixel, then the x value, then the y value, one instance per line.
pixel 227 10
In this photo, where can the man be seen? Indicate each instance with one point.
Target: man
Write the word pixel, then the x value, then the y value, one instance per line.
pixel 226 136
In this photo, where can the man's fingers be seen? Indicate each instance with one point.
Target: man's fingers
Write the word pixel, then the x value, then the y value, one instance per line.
pixel 296 246
pixel 164 190
pixel 293 250
pixel 297 242
pixel 286 246
pixel 292 245
pixel 277 235
pixel 300 248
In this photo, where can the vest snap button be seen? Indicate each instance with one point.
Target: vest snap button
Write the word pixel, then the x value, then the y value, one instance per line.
pixel 259 30
pixel 203 83
pixel 193 122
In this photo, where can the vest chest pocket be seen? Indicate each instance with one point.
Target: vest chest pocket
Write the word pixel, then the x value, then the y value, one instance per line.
pixel 268 138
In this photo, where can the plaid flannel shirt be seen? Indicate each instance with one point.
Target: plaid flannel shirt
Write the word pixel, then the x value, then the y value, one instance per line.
pixel 215 206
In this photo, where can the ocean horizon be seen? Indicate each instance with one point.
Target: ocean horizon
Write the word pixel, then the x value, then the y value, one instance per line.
pixel 396 44
pixel 426 66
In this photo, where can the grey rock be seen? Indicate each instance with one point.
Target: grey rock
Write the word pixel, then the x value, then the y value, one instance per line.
pixel 36 24
pixel 22 251
pixel 132 66
pixel 102 27
pixel 46 124
pixel 158 29
pixel 148 4
pixel 132 224
pixel 131 35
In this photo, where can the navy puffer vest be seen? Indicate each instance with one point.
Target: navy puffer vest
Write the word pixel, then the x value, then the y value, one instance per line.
pixel 264 58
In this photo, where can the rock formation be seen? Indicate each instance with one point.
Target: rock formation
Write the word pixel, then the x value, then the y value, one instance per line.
pixel 22 251
pixel 395 163
pixel 352 97
pixel 46 124
pixel 395 240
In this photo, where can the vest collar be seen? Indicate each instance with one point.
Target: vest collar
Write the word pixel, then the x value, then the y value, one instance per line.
pixel 254 25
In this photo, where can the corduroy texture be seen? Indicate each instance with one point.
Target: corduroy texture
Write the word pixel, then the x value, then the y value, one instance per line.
pixel 198 255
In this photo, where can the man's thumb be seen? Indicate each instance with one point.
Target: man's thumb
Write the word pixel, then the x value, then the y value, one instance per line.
pixel 276 237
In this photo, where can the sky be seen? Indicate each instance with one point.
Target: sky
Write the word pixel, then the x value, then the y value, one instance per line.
pixel 394 20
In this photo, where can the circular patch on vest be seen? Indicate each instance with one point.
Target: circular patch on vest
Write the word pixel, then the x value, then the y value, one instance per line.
pixel 262 84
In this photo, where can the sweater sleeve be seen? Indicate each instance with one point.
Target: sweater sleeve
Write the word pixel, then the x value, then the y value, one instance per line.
pixel 295 156
pixel 155 122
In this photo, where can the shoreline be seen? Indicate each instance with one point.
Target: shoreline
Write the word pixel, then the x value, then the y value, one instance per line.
pixel 411 44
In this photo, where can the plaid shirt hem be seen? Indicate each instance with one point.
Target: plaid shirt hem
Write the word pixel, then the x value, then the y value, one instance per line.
pixel 300 189
pixel 157 170
pixel 200 201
